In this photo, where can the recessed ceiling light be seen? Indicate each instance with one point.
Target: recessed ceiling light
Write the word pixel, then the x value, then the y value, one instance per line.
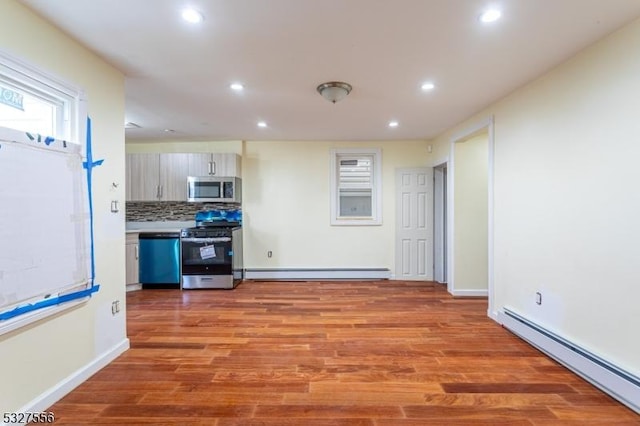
pixel 238 87
pixel 192 16
pixel 393 123
pixel 490 15
pixel 427 86
pixel 262 124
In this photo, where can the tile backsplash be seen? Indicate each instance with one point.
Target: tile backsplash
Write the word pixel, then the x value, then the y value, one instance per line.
pixel 160 211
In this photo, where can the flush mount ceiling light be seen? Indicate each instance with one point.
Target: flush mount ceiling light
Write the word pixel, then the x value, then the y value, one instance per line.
pixel 131 125
pixel 393 123
pixel 238 87
pixel 192 16
pixel 333 91
pixel 490 15
pixel 262 124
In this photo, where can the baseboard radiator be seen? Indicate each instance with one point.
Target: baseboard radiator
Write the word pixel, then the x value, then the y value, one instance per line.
pixel 619 384
pixel 298 274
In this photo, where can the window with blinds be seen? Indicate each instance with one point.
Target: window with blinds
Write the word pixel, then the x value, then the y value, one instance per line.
pixel 355 187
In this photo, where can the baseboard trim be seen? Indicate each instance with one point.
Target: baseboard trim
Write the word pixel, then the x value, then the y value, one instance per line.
pixel 604 375
pixel 57 392
pixel 470 293
pixel 317 274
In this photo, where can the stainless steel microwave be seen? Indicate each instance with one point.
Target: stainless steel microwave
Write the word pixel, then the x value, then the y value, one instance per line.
pixel 214 189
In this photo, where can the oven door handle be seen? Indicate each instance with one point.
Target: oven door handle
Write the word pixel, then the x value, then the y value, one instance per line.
pixel 207 240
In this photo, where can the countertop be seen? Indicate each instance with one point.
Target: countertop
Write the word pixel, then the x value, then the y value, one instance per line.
pixel 160 226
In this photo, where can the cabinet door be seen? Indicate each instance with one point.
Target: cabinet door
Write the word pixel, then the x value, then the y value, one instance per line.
pixel 227 165
pixel 131 258
pixel 143 173
pixel 173 177
pixel 199 164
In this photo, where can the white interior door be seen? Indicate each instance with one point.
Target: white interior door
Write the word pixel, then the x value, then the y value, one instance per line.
pixel 414 204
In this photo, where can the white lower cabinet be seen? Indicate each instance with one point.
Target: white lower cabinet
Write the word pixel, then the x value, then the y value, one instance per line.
pixel 131 259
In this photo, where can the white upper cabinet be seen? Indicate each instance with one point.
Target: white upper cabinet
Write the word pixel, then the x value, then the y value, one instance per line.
pixel 204 164
pixel 143 177
pixel 199 164
pixel 173 177
pixel 157 177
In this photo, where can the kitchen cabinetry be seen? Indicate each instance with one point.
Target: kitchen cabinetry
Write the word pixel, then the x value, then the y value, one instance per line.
pixel 142 172
pixel 157 177
pixel 131 259
pixel 163 177
pixel 173 177
pixel 205 164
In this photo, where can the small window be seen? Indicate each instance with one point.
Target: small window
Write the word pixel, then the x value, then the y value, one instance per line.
pixel 35 102
pixel 355 187
pixel 30 113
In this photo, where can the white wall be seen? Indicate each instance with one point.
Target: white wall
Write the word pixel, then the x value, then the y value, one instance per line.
pixel 471 214
pixel 36 359
pixel 567 208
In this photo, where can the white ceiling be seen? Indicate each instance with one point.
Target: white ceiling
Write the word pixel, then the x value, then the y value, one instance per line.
pixel 178 75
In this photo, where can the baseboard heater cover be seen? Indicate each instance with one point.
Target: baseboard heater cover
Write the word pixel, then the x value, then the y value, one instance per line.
pixel 302 274
pixel 619 384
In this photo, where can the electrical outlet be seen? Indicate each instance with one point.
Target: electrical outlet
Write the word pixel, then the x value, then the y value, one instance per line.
pixel 115 307
pixel 538 298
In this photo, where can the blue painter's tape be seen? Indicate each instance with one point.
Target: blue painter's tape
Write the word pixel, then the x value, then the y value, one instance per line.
pixel 49 302
pixel 89 165
pixel 49 140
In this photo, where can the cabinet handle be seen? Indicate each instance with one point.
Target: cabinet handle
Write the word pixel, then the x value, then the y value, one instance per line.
pixel 161 191
pixel 136 251
pixel 158 192
pixel 213 167
pixel 209 167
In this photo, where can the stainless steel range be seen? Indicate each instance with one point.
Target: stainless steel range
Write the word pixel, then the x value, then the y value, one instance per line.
pixel 212 255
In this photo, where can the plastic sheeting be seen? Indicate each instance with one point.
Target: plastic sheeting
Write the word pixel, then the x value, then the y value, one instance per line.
pixel 45 223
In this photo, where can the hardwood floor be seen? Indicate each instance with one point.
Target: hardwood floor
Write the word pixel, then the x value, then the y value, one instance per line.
pixel 329 353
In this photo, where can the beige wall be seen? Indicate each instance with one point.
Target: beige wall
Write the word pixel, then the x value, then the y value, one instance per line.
pixel 286 202
pixel 36 359
pixel 286 206
pixel 136 147
pixel 566 198
pixel 471 214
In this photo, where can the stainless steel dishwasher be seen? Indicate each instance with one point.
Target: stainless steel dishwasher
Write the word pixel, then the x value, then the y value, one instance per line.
pixel 159 259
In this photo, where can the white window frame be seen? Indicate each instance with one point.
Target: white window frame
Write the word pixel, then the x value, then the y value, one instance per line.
pixel 376 190
pixel 28 78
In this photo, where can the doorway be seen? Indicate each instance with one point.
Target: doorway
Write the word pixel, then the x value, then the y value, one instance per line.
pixel 470 213
pixel 440 223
